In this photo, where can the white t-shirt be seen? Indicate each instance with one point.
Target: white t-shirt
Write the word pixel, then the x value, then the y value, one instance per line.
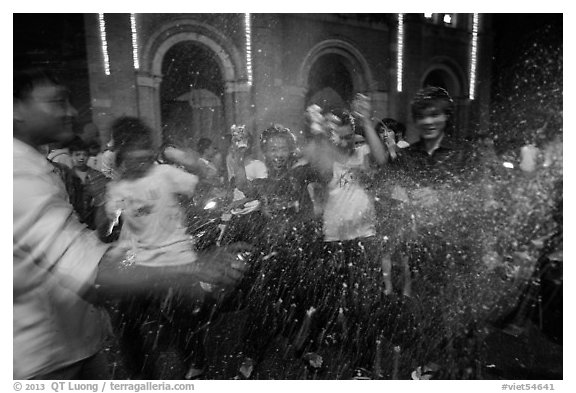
pixel 153 225
pixel 349 211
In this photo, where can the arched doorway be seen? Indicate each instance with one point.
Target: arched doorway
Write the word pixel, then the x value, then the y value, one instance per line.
pixel 442 78
pixel 192 94
pixel 333 71
pixel 330 83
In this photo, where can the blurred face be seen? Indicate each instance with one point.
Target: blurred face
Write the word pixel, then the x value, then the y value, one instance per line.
pixel 341 135
pixel 431 123
pixel 79 159
pixel 210 152
pixel 46 116
pixel 277 153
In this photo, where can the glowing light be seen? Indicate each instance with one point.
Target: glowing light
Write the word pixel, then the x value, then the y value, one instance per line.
pixel 400 53
pixel 508 165
pixel 104 44
pixel 210 205
pixel 473 56
pixel 428 16
pixel 248 36
pixel 134 41
pixel 447 19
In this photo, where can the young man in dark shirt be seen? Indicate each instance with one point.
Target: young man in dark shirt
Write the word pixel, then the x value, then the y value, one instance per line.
pixel 439 173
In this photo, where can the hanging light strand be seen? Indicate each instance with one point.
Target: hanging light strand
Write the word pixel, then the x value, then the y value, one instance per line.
pixel 400 53
pixel 104 44
pixel 134 29
pixel 473 55
pixel 248 37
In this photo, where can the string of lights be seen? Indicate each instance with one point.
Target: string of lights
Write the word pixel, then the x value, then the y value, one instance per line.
pixel 400 53
pixel 104 43
pixel 248 37
pixel 473 55
pixel 134 29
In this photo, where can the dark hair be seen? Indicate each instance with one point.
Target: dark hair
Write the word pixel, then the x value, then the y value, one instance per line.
pixel 130 130
pixel 277 130
pixel 392 124
pixel 432 96
pixel 130 133
pixel 25 80
pixel 77 144
pixel 203 144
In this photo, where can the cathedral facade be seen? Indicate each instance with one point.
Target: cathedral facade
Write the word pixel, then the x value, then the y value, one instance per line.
pixel 194 75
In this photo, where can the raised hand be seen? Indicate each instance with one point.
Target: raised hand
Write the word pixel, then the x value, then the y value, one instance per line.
pixel 362 107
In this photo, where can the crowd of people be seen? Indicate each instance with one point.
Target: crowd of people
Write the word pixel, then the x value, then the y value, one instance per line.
pixel 344 248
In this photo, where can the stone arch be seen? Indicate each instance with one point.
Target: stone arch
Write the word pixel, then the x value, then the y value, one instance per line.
pixel 227 56
pixel 450 72
pixel 357 65
pixel 180 30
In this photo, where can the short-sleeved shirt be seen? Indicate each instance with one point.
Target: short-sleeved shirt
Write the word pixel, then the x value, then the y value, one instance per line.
pixel 349 210
pixel 154 227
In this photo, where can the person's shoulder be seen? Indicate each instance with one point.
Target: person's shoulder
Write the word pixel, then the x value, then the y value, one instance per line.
pixel 24 153
pixel 415 146
pixel 171 171
pixel 455 143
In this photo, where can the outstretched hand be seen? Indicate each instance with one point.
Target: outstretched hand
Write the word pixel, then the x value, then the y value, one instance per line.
pixel 222 265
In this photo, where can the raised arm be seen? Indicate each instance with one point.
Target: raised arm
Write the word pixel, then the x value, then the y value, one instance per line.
pixel 362 108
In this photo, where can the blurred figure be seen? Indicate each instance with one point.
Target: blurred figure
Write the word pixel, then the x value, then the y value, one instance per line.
pixel 154 233
pixel 108 161
pixel 391 206
pixel 59 266
pixel 93 184
pixel 208 156
pixel 57 334
pixel 242 150
pixel 91 137
pixel 441 175
pixel 286 234
pixel 211 180
pixel 349 275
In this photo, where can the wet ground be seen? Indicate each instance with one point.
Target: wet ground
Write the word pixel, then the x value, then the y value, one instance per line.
pixel 522 353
